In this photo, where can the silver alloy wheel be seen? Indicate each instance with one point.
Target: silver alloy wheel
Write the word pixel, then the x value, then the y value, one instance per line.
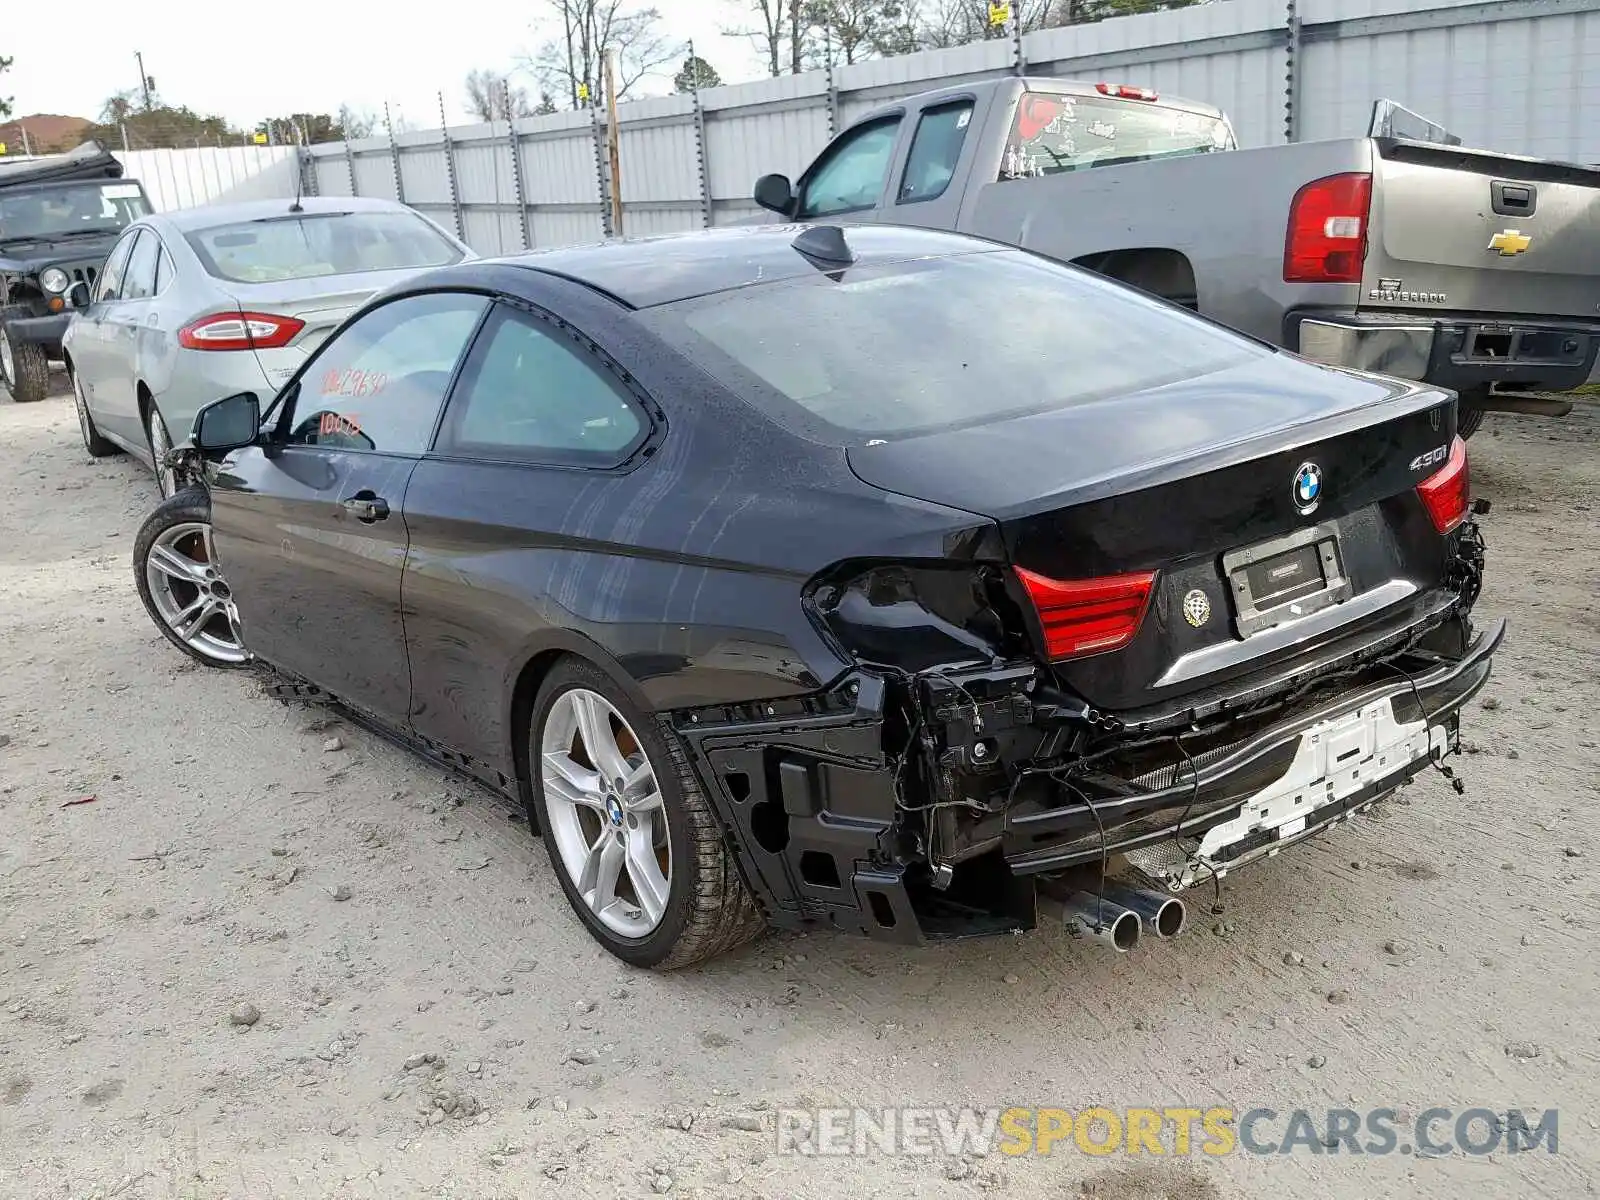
pixel 8 359
pixel 82 406
pixel 606 813
pixel 160 447
pixel 190 593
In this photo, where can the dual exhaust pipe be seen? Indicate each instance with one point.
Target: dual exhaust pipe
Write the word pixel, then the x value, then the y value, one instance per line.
pixel 1119 915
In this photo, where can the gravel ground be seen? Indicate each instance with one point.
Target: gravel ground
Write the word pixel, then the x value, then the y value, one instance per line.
pixel 214 978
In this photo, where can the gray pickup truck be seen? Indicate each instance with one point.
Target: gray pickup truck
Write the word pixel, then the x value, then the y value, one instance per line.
pixel 1401 253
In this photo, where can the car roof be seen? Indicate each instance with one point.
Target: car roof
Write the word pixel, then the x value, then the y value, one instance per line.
pixel 208 216
pixel 645 272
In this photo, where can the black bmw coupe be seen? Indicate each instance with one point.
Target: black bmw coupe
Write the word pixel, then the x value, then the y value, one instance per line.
pixel 871 578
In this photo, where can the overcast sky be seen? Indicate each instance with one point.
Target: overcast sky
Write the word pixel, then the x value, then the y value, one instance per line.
pixel 248 61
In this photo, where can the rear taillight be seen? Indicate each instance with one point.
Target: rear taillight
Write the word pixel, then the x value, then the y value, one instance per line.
pixel 1444 493
pixel 1327 235
pixel 239 331
pixel 1123 91
pixel 1088 616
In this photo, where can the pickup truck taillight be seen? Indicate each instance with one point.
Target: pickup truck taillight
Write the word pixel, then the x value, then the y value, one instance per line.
pixel 1327 236
pixel 1088 616
pixel 1444 493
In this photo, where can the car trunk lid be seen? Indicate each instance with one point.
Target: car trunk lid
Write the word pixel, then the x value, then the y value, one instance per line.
pixel 1196 484
pixel 321 303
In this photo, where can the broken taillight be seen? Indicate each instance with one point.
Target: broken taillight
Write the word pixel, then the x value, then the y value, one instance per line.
pixel 1326 241
pixel 1444 493
pixel 1088 616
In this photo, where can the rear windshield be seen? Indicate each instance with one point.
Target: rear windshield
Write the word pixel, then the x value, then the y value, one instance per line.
pixel 1054 133
pixel 315 244
pixel 887 351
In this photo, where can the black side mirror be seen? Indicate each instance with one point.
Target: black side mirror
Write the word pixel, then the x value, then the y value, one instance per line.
pixel 227 424
pixel 78 295
pixel 775 192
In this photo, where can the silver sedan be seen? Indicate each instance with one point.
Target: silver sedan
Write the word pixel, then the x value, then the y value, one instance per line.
pixel 208 302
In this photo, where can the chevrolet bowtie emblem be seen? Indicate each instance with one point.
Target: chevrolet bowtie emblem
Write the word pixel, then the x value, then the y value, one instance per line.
pixel 1509 243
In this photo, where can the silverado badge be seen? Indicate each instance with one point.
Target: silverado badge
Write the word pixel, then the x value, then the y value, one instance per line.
pixel 1509 243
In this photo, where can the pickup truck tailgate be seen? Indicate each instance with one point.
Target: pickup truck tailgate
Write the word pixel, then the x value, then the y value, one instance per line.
pixel 1479 232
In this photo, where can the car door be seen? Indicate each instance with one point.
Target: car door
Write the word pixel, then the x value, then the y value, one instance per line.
pixel 309 525
pixel 506 536
pixel 124 331
pixel 932 182
pixel 91 355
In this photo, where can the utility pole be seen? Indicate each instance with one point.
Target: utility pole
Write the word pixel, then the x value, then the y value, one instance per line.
pixel 615 140
pixel 144 80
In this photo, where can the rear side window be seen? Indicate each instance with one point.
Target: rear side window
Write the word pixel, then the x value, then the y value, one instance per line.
pixel 379 383
pixel 913 347
pixel 935 151
pixel 1052 133
pixel 528 393
pixel 317 244
pixel 116 265
pixel 139 282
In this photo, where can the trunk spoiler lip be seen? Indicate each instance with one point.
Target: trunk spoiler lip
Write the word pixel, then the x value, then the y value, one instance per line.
pixel 1473 666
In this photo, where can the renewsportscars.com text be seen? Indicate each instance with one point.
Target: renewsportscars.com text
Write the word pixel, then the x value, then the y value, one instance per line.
pixel 1172 1131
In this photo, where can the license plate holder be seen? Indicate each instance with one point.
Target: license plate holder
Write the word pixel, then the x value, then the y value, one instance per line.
pixel 1285 579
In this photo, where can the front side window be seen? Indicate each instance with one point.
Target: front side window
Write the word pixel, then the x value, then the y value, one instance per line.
pixel 1052 133
pixel 379 384
pixel 527 393
pixel 309 245
pixel 116 266
pixel 851 173
pixel 935 151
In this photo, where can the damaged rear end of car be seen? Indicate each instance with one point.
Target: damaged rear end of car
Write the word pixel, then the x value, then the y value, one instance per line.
pixel 1189 624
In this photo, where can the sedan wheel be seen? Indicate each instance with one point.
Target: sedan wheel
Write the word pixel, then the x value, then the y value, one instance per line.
pixel 182 585
pixel 639 851
pixel 97 446
pixel 605 813
pixel 160 447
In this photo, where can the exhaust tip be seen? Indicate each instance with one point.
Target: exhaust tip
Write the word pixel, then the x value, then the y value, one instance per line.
pixel 1171 918
pixel 1124 932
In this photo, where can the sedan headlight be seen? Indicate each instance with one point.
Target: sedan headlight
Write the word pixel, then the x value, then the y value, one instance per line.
pixel 54 279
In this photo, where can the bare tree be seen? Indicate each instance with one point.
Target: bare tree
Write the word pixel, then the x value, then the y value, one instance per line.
pixel 858 29
pixel 573 64
pixel 356 123
pixel 944 23
pixel 490 97
pixel 772 32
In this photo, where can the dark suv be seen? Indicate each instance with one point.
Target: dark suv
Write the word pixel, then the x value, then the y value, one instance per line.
pixel 59 217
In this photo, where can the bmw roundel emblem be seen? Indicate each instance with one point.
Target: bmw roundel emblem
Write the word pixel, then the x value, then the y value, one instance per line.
pixel 1307 487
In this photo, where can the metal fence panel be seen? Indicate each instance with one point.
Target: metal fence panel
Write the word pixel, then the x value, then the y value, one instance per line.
pixel 1521 76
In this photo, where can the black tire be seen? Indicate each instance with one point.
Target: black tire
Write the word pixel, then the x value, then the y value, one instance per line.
pixel 32 382
pixel 1469 412
pixel 190 507
pixel 159 440
pixel 97 446
pixel 709 909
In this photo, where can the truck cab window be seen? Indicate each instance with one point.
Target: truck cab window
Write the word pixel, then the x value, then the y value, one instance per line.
pixel 851 173
pixel 935 151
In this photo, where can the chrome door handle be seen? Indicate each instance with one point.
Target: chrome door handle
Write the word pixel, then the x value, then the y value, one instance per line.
pixel 367 507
